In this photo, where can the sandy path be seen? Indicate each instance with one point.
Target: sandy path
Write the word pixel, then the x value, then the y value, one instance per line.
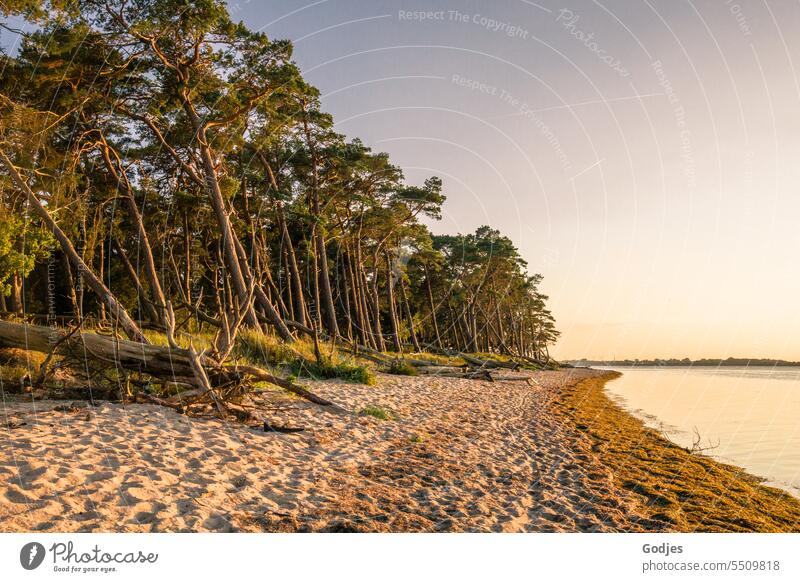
pixel 462 455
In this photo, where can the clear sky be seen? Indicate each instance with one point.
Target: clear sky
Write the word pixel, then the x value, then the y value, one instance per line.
pixel 644 156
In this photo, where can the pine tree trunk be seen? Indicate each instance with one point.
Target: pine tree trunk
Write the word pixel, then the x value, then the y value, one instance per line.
pixel 17 304
pixel 261 298
pixel 158 299
pixel 101 274
pixel 297 301
pixel 295 282
pixel 392 307
pixel 187 251
pixel 376 306
pixel 104 294
pixel 433 309
pixel 409 316
pixel 229 240
pixel 323 290
pixel 363 291
pixel 70 284
pixel 325 285
pixel 143 301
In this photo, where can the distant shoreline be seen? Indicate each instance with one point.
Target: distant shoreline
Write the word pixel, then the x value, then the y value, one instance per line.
pixel 686 362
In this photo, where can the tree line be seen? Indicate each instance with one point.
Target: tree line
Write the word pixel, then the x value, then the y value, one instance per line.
pixel 174 170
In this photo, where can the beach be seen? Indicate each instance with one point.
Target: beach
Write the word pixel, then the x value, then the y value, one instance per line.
pixel 552 453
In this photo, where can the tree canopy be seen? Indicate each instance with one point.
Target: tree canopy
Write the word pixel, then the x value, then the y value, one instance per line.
pixel 175 162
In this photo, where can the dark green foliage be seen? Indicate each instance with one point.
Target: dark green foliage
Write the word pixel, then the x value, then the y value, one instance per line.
pixel 166 120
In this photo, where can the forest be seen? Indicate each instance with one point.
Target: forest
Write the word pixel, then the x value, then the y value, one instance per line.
pixel 172 190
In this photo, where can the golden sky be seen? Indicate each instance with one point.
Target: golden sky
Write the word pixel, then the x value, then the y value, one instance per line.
pixel 644 156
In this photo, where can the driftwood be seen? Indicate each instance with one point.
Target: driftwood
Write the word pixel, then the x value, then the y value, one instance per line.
pixel 164 363
pixel 449 372
pixel 284 429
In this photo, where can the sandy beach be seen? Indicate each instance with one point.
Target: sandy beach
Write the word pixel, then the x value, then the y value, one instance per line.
pixel 552 454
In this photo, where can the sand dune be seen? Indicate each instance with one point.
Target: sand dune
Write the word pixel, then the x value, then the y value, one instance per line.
pixel 461 455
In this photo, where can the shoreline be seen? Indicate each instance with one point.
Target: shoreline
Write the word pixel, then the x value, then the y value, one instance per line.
pixel 451 455
pixel 689 492
pixel 653 422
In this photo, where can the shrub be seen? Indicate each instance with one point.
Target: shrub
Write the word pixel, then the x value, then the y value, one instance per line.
pixel 326 368
pixel 11 377
pixel 402 368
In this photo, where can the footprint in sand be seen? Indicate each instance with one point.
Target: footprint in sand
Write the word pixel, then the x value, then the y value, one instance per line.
pixel 14 495
pixel 99 476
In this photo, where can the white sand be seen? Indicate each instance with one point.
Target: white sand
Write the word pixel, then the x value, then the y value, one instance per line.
pixel 462 455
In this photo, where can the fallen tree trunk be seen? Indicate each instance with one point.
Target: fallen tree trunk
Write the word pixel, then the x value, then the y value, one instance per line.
pixel 449 372
pixel 164 363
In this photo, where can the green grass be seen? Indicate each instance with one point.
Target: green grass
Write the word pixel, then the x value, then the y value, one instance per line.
pixel 401 368
pixel 11 376
pixel 264 350
pixel 327 368
pixel 260 349
pixel 377 412
pixel 431 357
pixel 201 341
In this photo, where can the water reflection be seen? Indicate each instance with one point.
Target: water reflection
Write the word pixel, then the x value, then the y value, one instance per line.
pixel 752 413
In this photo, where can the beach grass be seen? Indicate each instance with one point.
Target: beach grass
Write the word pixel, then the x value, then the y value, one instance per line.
pixel 378 412
pixel 401 368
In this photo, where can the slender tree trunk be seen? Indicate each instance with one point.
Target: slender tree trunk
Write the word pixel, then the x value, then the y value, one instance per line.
pixel 355 289
pixel 472 325
pixel 392 306
pixel 156 291
pixel 376 308
pixel 433 309
pixel 320 253
pixel 363 290
pixel 238 270
pixel 17 304
pixel 117 310
pixel 348 312
pixel 295 282
pixel 73 298
pixel 325 285
pixel 297 301
pixel 187 252
pixel 409 316
pixel 293 312
pixel 101 274
pixel 261 298
pixel 143 301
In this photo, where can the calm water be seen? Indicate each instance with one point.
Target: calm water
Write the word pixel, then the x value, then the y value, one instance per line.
pixel 753 413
